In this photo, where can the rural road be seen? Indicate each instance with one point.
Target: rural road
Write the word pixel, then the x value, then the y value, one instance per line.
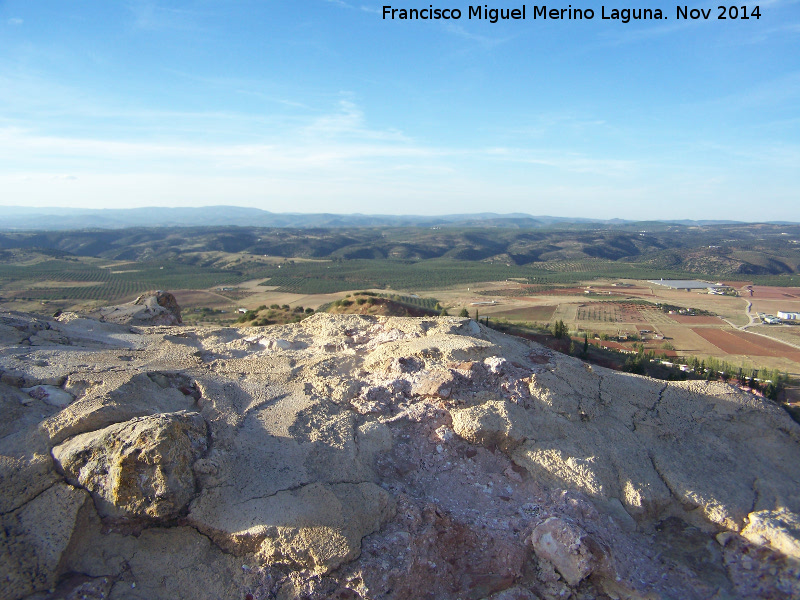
pixel 751 320
pixel 749 316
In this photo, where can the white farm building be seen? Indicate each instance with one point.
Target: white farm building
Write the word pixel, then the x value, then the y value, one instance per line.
pixel 789 316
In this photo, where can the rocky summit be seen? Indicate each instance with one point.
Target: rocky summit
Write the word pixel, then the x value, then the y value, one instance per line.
pixel 354 457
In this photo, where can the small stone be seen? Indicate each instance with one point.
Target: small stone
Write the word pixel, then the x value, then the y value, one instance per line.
pixel 725 537
pixel 563 545
pixel 50 394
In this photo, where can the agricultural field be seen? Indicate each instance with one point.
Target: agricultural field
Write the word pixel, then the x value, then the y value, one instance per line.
pixel 770 300
pixel 789 334
pixel 743 343
pixel 86 282
pixel 611 312
pixel 635 312
pixel 543 313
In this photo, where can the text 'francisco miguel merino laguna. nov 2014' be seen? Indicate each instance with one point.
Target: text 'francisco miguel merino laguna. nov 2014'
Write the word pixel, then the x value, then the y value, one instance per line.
pixel 624 15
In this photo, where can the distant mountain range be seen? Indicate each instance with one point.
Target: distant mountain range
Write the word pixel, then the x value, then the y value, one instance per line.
pixel 61 219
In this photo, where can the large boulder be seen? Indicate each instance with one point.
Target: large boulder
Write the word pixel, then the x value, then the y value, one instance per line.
pixel 152 308
pixel 142 467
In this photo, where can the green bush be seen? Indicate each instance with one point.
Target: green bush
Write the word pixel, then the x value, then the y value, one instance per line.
pixel 559 329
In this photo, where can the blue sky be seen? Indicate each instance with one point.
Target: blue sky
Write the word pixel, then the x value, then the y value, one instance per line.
pixel 323 106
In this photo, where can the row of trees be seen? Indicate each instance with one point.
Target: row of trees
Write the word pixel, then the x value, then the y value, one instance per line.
pixel 769 382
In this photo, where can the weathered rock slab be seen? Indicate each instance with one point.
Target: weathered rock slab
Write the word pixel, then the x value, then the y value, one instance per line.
pixel 34 538
pixel 142 467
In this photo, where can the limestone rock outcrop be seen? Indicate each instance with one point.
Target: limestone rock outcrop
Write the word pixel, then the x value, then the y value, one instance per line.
pixel 152 308
pixel 368 457
pixel 142 467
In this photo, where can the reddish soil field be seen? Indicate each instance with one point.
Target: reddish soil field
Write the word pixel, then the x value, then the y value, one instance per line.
pixel 773 345
pixel 775 293
pixel 696 320
pixel 740 342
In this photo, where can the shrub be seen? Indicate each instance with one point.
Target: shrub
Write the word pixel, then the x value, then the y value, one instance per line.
pixel 248 316
pixel 559 329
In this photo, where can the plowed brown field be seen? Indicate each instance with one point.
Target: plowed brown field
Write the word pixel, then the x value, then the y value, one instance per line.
pixel 775 293
pixel 741 342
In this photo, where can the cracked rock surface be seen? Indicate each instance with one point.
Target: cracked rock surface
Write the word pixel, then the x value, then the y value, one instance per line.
pixel 368 457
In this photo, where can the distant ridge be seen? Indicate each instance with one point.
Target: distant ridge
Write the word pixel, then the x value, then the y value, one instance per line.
pixel 16 218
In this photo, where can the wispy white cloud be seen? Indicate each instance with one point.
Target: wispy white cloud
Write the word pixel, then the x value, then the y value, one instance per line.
pixel 761 36
pixel 783 91
pixel 341 3
pixel 348 121
pixel 567 162
pixel 148 15
pixel 15 21
pixel 483 40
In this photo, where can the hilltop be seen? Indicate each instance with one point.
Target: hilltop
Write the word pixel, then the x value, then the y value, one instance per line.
pixel 360 456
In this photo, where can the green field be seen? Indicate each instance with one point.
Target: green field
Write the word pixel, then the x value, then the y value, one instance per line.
pixel 105 283
pixel 340 276
pixel 103 266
